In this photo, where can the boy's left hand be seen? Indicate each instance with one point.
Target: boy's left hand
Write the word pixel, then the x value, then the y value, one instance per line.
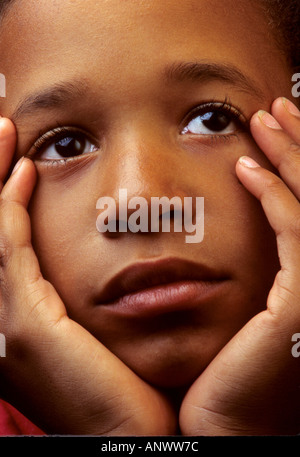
pixel 253 385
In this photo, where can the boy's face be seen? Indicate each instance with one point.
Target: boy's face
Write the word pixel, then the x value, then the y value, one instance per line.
pixel 137 71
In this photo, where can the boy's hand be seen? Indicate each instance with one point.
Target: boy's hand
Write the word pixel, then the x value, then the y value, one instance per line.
pixel 253 385
pixel 54 371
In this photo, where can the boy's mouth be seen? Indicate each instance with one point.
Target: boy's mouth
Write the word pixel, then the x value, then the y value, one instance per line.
pixel 151 288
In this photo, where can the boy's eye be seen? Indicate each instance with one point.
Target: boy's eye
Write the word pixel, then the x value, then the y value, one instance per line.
pixel 208 120
pixel 63 144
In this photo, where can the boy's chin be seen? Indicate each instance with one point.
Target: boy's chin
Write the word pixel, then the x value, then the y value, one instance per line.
pixel 168 360
pixel 171 377
pixel 168 372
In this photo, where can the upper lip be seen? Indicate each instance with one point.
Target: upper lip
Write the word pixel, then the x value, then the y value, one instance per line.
pixel 146 274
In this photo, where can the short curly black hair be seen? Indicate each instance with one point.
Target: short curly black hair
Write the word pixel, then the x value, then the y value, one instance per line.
pixel 4 4
pixel 283 17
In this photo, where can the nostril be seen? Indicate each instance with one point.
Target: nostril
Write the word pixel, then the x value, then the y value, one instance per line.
pixel 172 216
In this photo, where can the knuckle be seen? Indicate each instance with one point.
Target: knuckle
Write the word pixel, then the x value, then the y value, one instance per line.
pixel 11 226
pixel 289 162
pixel 4 207
pixel 273 185
pixel 5 251
pixel 6 215
pixel 294 227
pixel 294 149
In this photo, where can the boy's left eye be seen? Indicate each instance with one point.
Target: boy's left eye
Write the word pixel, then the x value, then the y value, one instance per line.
pixel 212 119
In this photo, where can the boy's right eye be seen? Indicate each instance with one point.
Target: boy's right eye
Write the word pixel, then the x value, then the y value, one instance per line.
pixel 63 143
pixel 213 119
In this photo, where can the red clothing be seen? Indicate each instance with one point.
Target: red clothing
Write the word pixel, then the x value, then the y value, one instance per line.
pixel 13 423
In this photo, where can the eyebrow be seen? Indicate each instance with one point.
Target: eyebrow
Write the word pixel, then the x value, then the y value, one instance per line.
pixel 207 71
pixel 52 97
pixel 62 93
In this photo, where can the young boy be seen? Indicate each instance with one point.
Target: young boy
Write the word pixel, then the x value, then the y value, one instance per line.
pixel 139 332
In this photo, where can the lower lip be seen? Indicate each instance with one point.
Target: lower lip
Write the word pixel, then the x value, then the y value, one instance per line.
pixel 180 296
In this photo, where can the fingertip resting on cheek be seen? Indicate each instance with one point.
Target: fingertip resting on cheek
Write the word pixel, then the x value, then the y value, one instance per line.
pixel 250 174
pixel 246 168
pixel 248 162
pixel 290 107
pixel 268 120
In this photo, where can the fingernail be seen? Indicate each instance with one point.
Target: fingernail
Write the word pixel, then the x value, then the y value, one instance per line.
pixel 290 107
pixel 268 120
pixel 248 162
pixel 18 165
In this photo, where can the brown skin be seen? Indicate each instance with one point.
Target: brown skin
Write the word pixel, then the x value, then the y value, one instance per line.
pixel 120 51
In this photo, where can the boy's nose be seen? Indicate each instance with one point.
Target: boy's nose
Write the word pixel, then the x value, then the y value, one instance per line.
pixel 142 169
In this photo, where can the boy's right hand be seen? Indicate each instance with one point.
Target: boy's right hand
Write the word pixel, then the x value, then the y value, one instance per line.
pixel 55 372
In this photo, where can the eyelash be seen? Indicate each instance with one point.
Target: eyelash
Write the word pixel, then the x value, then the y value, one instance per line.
pixel 60 131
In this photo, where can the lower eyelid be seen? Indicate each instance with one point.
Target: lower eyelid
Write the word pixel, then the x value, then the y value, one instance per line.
pixel 210 140
pixel 66 160
pixel 62 169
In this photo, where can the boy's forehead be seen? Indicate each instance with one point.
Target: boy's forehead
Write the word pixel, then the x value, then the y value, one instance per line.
pixel 144 26
pixel 50 38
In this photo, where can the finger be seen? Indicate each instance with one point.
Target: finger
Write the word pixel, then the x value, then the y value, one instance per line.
pixel 281 207
pixel 15 228
pixel 279 142
pixel 7 147
pixel 288 116
pixel 20 185
pixel 20 274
